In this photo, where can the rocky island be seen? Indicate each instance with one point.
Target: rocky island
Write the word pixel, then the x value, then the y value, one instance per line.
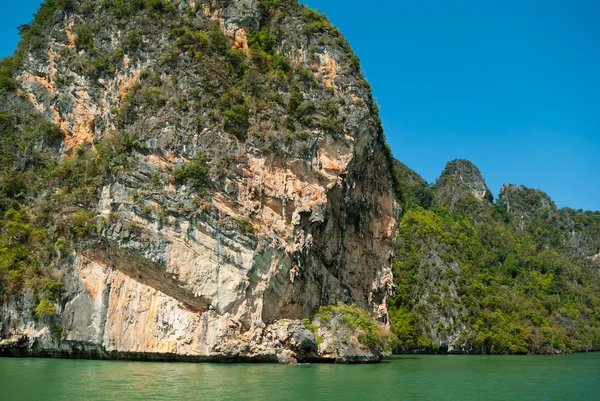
pixel 200 177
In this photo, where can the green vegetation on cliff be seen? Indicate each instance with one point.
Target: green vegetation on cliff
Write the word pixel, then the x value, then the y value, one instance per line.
pixel 45 201
pixel 517 276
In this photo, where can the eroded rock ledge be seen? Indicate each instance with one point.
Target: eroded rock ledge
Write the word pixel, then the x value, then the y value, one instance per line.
pixel 331 338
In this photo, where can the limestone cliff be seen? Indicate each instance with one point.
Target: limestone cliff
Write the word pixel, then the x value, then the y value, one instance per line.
pixel 231 178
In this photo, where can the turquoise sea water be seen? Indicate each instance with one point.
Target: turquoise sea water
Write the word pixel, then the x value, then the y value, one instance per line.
pixel 564 378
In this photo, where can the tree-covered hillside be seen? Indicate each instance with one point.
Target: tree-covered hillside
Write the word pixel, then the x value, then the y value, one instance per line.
pixel 515 276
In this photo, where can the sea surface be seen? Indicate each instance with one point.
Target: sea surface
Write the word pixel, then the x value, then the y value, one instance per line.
pixel 451 377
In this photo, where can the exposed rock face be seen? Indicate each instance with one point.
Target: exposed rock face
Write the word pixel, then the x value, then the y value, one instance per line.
pixel 524 203
pixel 460 178
pixel 440 280
pixel 279 228
pixel 528 207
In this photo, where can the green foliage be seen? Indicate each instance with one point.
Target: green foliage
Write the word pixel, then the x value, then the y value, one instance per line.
pixel 305 112
pixel 45 308
pixel 354 61
pixel 52 290
pixel 94 62
pixel 236 58
pixel 314 22
pixel 160 5
pixel 63 4
pixel 404 325
pixel 84 37
pixel 331 124
pixel 260 59
pixel 49 132
pixel 153 97
pixel 262 40
pixel 27 146
pixel 306 75
pixel 295 100
pixel 195 172
pixel 282 64
pixel 107 62
pixel 15 235
pixel 45 200
pixel 235 121
pixel 213 42
pixel 78 177
pixel 56 330
pixel 132 40
pixel 218 42
pixel 309 325
pixel 186 37
pixel 270 7
pixel 123 9
pixel 82 224
pixel 8 66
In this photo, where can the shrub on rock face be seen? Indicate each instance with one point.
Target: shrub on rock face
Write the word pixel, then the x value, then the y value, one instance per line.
pixel 262 40
pixel 57 330
pixel 194 172
pixel 45 308
pixel 236 121
pixel 153 97
pixel 53 289
pixel 82 224
pixel 84 38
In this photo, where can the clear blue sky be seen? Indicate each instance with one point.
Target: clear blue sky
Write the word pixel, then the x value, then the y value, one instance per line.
pixel 512 85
